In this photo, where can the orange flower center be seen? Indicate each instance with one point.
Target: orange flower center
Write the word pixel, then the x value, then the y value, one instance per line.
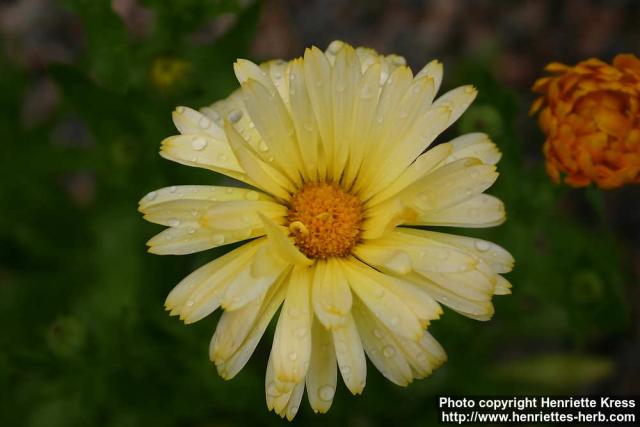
pixel 325 220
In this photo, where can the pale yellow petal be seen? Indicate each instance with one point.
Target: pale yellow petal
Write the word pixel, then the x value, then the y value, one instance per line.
pixel 304 122
pixel 345 80
pixel 381 347
pixel 248 287
pixel 192 122
pixel 503 287
pixel 282 245
pixel 424 355
pixel 372 288
pixel 479 310
pixel 187 239
pixel 330 293
pixel 200 192
pixel 434 70
pixel 205 285
pixel 368 92
pixel 350 355
pixel 279 145
pixel 265 177
pixel 204 152
pixel 481 211
pixel 322 376
pixel 402 252
pixel 457 100
pixel 239 331
pixel 317 72
pixel 291 350
pixel 499 259
pixel 477 145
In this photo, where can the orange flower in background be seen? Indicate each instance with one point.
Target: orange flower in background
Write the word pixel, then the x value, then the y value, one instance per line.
pixel 590 114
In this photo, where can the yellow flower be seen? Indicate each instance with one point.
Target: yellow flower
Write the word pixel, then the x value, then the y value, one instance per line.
pixel 590 114
pixel 333 146
pixel 166 72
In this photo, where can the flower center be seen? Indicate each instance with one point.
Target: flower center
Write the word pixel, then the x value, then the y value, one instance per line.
pixel 324 220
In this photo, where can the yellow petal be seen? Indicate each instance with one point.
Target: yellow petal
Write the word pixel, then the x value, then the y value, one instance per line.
pixel 330 293
pixel 372 288
pixel 291 350
pixel 322 376
pixel 282 246
pixel 350 355
pixel 192 122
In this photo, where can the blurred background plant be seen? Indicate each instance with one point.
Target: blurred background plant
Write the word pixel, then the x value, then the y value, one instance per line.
pixel 87 89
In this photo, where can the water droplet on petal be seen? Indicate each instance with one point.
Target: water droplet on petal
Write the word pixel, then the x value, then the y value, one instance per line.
pixel 234 116
pixel 173 189
pixel 190 303
pixel 198 143
pixel 204 122
pixel 218 239
pixel 300 333
pixel 293 355
pixel 192 230
pixel 294 312
pixel 174 222
pixel 252 195
pixel 377 333
pixel 152 195
pixel 326 392
pixel 388 351
pixel 482 246
pixel 262 146
pixel 180 110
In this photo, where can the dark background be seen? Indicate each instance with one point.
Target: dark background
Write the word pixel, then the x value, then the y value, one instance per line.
pixel 87 87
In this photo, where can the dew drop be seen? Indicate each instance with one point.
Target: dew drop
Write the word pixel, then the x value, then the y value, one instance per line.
pixel 180 110
pixel 300 333
pixel 152 195
pixel 173 189
pixel 174 222
pixel 482 246
pixel 270 159
pixel 346 370
pixel 377 333
pixel 388 351
pixel 204 122
pixel 218 239
pixel 262 146
pixel 335 47
pixel 252 195
pixel 235 116
pixel 294 312
pixel 293 355
pixel 198 143
pixel 215 115
pixel 190 303
pixel 326 392
pixel 194 212
pixel 192 230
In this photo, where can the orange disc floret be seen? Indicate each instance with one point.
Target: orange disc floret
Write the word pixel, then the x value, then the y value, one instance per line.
pixel 324 220
pixel 590 114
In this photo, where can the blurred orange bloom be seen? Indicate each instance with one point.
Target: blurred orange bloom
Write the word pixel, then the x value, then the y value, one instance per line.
pixel 590 114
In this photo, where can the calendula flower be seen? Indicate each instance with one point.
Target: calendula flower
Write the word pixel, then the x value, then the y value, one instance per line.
pixel 332 146
pixel 590 114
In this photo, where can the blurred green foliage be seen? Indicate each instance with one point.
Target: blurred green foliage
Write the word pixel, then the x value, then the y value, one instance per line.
pixel 83 333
